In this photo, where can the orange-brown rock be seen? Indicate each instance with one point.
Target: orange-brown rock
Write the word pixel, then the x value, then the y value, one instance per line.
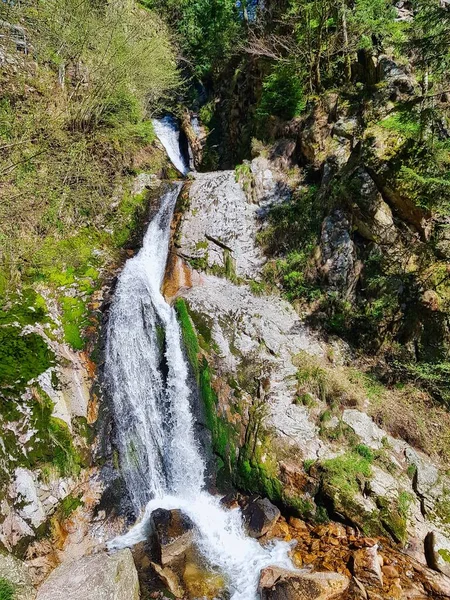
pixel 178 277
pixel 280 584
pixel 366 566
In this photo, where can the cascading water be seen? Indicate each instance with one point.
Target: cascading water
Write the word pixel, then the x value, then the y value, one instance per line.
pixel 169 135
pixel 160 459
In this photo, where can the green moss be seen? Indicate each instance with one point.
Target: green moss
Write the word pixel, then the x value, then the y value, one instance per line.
pixel 230 267
pixel 52 441
pixel 22 357
pixel 7 591
pixel 307 464
pixel 160 337
pixel 404 122
pixel 74 320
pixel 365 452
pixel 130 212
pixel 252 476
pixel 189 336
pixel 27 309
pixel 394 516
pixel 445 554
pixel 203 326
pixel 345 472
pixel 68 505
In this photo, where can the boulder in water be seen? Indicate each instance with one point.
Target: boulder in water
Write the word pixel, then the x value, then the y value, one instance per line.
pixel 173 532
pixel 260 517
pixel 281 584
pixel 94 577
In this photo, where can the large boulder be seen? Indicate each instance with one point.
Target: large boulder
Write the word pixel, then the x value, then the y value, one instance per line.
pixel 437 552
pixel 280 584
pixel 173 534
pixel 340 267
pixel 98 577
pixel 15 573
pixel 260 517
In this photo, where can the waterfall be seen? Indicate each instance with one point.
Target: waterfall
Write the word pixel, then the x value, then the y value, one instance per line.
pixel 160 459
pixel 169 135
pixel 146 374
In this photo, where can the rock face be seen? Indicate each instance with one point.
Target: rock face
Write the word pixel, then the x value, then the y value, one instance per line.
pixel 339 263
pixel 437 551
pixel 98 577
pixel 219 229
pixel 279 584
pixel 16 573
pixel 173 532
pixel 260 517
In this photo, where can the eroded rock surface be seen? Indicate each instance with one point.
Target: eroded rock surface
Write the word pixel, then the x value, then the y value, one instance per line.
pixel 98 577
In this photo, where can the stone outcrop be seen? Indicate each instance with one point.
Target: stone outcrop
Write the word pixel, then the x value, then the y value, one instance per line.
pixel 339 264
pixel 279 584
pixel 219 230
pixel 256 345
pixel 437 552
pixel 97 577
pixel 17 575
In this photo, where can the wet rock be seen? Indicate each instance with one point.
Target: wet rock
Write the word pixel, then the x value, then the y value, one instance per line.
pixel 367 567
pixel 144 181
pixel 16 573
pixel 435 583
pixel 299 526
pixel 170 579
pixel 173 532
pixel 437 552
pixel 260 517
pixel 280 584
pixel 94 577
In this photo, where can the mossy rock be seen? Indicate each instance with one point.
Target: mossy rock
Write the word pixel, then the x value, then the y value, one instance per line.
pixel 22 357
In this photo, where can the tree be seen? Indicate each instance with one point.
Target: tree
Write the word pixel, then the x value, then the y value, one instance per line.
pixel 208 29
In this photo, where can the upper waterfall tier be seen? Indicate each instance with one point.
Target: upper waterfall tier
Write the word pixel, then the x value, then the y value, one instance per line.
pixel 169 135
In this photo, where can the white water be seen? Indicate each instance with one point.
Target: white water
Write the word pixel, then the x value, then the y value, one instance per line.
pixel 168 133
pixel 159 456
